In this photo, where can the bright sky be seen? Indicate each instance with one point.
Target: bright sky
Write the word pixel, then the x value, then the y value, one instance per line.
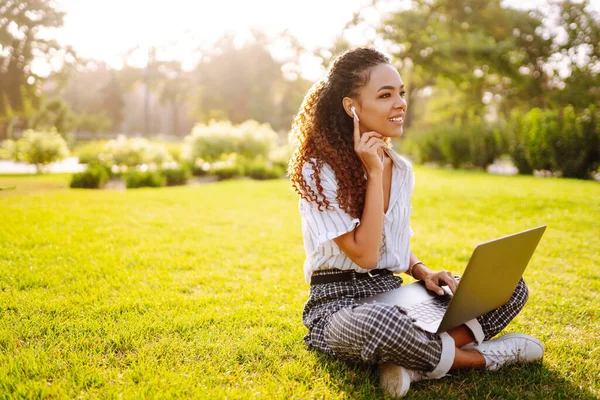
pixel 108 29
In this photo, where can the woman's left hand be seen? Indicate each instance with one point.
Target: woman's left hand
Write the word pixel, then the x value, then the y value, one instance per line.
pixel 434 280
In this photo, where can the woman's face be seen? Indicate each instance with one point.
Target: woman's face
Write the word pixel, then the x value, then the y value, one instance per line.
pixel 380 104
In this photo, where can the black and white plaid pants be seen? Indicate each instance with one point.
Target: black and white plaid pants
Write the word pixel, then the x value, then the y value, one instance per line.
pixel 376 333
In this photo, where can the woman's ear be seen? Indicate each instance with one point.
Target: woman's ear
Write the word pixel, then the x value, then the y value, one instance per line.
pixel 348 103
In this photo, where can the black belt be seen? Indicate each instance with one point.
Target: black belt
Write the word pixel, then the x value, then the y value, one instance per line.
pixel 330 275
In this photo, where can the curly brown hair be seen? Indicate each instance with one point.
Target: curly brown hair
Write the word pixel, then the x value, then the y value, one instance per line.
pixel 324 133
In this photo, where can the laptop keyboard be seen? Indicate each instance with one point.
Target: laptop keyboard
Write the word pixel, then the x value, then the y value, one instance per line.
pixel 429 310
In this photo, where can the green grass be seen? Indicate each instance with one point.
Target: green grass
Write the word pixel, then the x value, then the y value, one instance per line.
pixel 198 291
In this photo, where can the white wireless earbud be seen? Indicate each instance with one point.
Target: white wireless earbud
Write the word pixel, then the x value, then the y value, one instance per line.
pixel 354 112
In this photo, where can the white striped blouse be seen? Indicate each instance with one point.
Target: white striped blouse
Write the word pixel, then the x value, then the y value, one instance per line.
pixel 319 228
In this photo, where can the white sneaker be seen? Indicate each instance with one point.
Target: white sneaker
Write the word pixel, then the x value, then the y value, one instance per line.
pixel 395 380
pixel 511 348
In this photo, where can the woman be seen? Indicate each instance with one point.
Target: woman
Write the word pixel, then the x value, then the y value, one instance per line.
pixel 355 207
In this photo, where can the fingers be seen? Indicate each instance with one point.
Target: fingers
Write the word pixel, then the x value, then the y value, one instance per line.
pixel 368 135
pixel 451 282
pixel 367 145
pixel 374 141
pixel 370 148
pixel 356 132
pixel 445 277
pixel 369 141
pixel 431 285
pixel 439 279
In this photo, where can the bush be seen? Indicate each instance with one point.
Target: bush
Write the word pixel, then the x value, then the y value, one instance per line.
pixel 198 168
pixel 564 141
pixel 94 177
pixel 517 143
pixel 133 152
pixel 175 150
pixel 454 146
pixel 259 169
pixel 138 179
pixel 539 128
pixel 255 140
pixel 89 152
pixel 211 142
pixel 229 166
pixel 575 145
pixel 228 171
pixel 176 176
pixel 280 156
pixel 41 148
pixel 486 142
pixel 424 148
pixel 557 140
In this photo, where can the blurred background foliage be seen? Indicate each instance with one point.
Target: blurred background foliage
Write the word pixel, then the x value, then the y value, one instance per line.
pixel 483 80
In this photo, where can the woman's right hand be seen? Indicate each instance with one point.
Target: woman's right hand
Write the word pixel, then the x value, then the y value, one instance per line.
pixel 367 146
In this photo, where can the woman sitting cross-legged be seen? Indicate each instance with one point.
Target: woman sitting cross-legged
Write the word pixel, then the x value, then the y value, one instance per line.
pixel 355 194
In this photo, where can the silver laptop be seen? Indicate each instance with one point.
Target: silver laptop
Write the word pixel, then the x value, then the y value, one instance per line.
pixel 488 282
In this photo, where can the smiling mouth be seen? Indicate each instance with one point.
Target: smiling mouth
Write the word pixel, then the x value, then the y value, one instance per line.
pixel 396 119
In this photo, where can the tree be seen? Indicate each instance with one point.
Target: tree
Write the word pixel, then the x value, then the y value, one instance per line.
pixel 476 45
pixel 113 102
pixel 174 92
pixel 238 84
pixel 579 54
pixel 20 40
pixel 42 148
pixel 56 114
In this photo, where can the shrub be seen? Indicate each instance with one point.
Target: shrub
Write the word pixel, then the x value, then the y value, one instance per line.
pixel 176 176
pixel 41 148
pixel 517 144
pixel 174 150
pixel 94 177
pixel 229 166
pixel 575 145
pixel 538 130
pixel 211 142
pixel 255 140
pixel 228 171
pixel 133 152
pixel 424 147
pixel 281 155
pixel 443 144
pixel 430 145
pixel 564 141
pixel 199 170
pixel 138 179
pixel 89 152
pixel 261 170
pixel 486 142
pixel 557 140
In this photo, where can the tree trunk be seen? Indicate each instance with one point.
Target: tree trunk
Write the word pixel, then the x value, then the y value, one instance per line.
pixel 175 110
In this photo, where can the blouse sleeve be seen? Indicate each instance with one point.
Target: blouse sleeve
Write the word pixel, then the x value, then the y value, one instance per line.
pixel 328 223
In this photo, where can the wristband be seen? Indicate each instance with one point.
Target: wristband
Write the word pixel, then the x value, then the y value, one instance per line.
pixel 410 269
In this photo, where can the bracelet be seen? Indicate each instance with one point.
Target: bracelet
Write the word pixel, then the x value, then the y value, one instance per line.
pixel 410 269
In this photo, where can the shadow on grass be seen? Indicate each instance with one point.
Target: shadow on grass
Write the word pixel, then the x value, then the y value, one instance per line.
pixel 534 381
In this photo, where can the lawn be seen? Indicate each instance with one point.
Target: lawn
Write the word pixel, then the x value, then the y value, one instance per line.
pixel 198 291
